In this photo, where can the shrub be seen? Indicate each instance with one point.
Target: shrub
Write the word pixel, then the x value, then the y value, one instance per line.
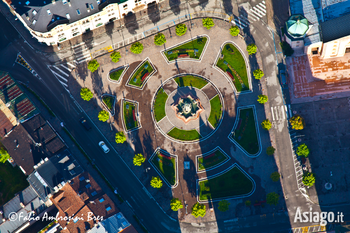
pixel 136 48
pixel 287 50
pixel 297 122
pixel 223 205
pixel 159 39
pixel 262 99
pixel 175 204
pixel 103 115
pixel 86 94
pixel 309 179
pixel 115 56
pixel 156 182
pixel 198 210
pixel 266 124
pixel 251 49
pixel 272 198
pixel 208 23
pixel 275 176
pixel 234 30
pixel 303 150
pixel 93 65
pixel 138 159
pixel 180 29
pixel 248 203
pixel 120 137
pixel 270 150
pixel 4 156
pixel 258 74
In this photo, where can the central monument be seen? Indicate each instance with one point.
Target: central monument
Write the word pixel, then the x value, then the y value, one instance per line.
pixel 187 108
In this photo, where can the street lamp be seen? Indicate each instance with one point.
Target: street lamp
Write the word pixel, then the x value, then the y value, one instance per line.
pixel 147 169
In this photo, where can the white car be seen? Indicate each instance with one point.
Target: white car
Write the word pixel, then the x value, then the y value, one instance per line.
pixel 103 146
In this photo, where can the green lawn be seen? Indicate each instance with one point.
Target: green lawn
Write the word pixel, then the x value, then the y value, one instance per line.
pixel 190 81
pixel 115 75
pixel 130 123
pixel 166 166
pixel 215 112
pixel 236 61
pixel 136 78
pixel 184 135
pixel 108 100
pixel 230 184
pixel 210 160
pixel 245 133
pixel 159 105
pixel 12 180
pixel 188 48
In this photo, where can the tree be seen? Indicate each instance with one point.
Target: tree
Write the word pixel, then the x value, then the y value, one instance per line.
pixel 93 65
pixel 175 204
pixel 297 122
pixel 138 159
pixel 258 74
pixel 287 50
pixel 115 56
pixel 275 176
pixel 103 115
pixel 262 99
pixel 86 94
pixel 120 137
pixel 136 48
pixel 251 49
pixel 272 198
pixel 156 182
pixel 4 156
pixel 303 150
pixel 180 29
pixel 159 39
pixel 270 150
pixel 309 179
pixel 223 205
pixel 248 203
pixel 234 30
pixel 208 23
pixel 266 124
pixel 199 210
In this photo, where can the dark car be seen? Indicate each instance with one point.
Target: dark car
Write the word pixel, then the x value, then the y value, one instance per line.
pixel 85 123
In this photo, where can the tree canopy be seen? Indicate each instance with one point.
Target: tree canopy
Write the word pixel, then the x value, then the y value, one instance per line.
pixel 224 205
pixel 156 182
pixel 270 150
pixel 93 65
pixel 262 99
pixel 272 198
pixel 86 94
pixel 208 23
pixel 175 204
pixel 258 74
pixel 103 115
pixel 303 150
pixel 248 203
pixel 120 137
pixel 181 29
pixel 309 179
pixel 275 176
pixel 115 56
pixel 266 124
pixel 159 39
pixel 287 50
pixel 136 48
pixel 251 49
pixel 199 210
pixel 138 159
pixel 297 122
pixel 4 156
pixel 234 30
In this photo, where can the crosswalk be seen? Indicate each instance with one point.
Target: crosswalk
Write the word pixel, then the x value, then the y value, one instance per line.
pixel 281 112
pixel 62 72
pixel 250 16
pixel 81 53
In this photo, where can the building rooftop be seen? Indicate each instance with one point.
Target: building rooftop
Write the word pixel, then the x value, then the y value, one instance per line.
pixel 115 223
pixel 335 28
pixel 334 8
pixel 297 25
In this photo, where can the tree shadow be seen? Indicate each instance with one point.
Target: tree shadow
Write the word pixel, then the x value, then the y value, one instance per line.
pixel 175 6
pixel 88 38
pixel 227 4
pixel 97 83
pixel 131 23
pixel 153 12
pixel 190 176
pixel 109 29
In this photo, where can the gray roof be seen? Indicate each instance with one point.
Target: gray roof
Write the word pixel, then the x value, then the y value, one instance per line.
pixel 113 224
pixel 335 28
pixel 335 8
pixel 58 11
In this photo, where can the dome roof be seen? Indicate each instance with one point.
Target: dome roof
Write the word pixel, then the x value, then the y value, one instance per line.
pixel 297 25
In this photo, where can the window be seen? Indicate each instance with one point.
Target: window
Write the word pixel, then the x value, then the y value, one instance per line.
pixel 125 6
pixel 34 12
pixel 78 11
pixel 93 193
pixel 102 200
pixel 67 16
pixel 108 208
pixel 88 186
pixel 34 22
pixel 98 2
pixel 81 178
pixel 48 11
pixel 91 6
pixel 64 2
pixel 347 50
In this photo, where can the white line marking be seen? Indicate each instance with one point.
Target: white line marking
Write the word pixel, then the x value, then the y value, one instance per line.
pixel 276 109
pixel 273 117
pixel 252 14
pixel 290 111
pixel 71 64
pixel 260 8
pixel 59 76
pixel 234 23
pixel 86 59
pixel 256 12
pixel 82 52
pixel 283 113
pixel 78 44
pixel 66 67
pixel 241 22
pixel 244 19
pixel 251 17
pixel 286 110
pixel 83 57
pixel 64 84
pixel 262 5
pixel 263 2
pixel 62 71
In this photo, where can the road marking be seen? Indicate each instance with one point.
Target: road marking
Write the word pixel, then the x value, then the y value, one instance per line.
pixel 262 5
pixel 78 44
pixel 244 19
pixel 290 110
pixel 71 64
pixel 241 22
pixel 283 112
pixel 276 109
pixel 59 76
pixel 273 117
pixel 66 67
pixel 61 71
pixel 256 12
pixel 234 23
pixel 252 14
pixel 83 57
pixel 260 8
pixel 86 59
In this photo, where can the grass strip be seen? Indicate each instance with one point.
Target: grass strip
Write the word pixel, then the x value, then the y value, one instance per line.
pixel 215 112
pixel 159 105
pixel 115 75
pixel 184 135
pixel 190 81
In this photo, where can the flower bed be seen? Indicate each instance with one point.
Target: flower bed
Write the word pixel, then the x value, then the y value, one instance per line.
pixel 129 114
pixel 141 74
pixel 212 160
pixel 192 49
pixel 166 166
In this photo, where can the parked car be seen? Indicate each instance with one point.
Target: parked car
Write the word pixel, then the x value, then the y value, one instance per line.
pixel 103 146
pixel 85 123
pixel 283 77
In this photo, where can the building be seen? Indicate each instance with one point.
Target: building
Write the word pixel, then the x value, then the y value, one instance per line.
pixel 51 22
pixel 114 224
